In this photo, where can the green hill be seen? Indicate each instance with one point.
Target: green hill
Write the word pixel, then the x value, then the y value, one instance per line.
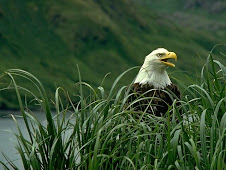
pixel 49 38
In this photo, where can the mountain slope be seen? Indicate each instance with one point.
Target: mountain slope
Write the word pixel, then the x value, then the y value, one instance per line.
pixel 49 38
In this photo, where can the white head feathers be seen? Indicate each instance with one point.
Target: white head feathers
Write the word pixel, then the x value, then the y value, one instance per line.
pixel 153 70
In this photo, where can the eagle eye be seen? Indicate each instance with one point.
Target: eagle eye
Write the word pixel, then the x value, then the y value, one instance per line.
pixel 159 55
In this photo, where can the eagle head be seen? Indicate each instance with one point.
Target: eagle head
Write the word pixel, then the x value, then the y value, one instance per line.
pixel 159 58
pixel 153 69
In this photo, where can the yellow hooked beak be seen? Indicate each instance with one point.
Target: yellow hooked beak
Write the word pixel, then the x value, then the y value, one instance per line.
pixel 167 56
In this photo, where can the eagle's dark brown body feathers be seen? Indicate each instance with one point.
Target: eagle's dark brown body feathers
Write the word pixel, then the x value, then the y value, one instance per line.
pixel 158 100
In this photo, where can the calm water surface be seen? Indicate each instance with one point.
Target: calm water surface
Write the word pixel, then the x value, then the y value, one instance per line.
pixel 7 139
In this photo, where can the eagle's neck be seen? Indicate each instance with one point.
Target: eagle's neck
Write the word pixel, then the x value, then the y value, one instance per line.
pixel 157 77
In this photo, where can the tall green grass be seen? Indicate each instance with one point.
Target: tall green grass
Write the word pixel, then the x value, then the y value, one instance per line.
pixel 101 132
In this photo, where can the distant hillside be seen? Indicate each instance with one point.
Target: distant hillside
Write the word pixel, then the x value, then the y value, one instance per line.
pixel 204 15
pixel 49 38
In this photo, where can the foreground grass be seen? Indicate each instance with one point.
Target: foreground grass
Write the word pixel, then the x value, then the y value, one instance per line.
pixel 99 132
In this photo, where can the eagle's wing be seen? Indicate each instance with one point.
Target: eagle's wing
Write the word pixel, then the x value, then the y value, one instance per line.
pixel 174 90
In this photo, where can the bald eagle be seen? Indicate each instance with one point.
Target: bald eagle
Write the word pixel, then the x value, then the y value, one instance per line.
pixel 153 90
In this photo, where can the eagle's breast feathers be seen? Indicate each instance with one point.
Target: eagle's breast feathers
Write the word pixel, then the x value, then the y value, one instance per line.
pixel 154 101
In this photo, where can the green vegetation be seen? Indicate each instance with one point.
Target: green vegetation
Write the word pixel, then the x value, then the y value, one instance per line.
pixel 101 133
pixel 206 15
pixel 48 39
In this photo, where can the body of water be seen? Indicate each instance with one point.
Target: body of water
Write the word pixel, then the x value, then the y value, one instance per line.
pixel 7 138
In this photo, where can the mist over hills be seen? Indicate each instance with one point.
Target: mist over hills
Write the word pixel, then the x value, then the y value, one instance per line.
pixel 49 38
